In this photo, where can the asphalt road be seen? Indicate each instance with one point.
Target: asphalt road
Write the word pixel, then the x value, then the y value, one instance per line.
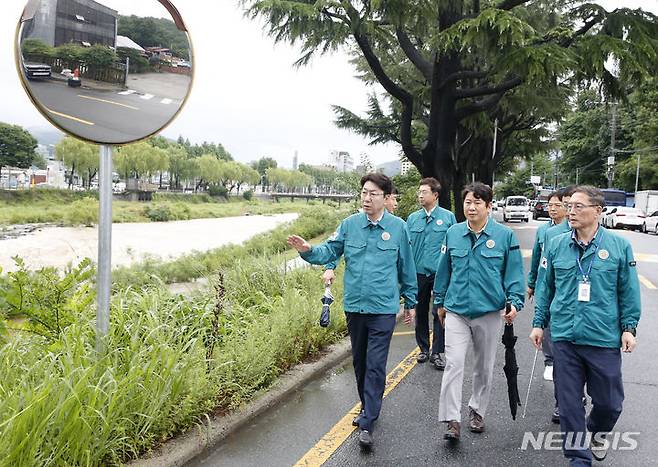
pixel 106 116
pixel 313 425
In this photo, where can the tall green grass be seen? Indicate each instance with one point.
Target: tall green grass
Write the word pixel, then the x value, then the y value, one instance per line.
pixel 62 405
pixel 81 208
pixel 170 359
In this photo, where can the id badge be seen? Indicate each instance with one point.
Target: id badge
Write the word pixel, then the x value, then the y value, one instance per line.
pixel 583 291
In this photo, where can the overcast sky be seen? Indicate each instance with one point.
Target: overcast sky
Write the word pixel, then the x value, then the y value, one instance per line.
pixel 246 94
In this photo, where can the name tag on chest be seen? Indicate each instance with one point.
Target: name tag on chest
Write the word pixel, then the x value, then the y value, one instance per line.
pixel 583 291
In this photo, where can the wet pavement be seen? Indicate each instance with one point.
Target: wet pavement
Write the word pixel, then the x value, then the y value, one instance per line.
pixel 408 433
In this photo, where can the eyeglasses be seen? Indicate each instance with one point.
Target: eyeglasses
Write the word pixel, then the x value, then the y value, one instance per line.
pixel 557 205
pixel 577 207
pixel 372 194
pixel 423 192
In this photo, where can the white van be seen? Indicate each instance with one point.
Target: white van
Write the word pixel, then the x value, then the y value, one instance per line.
pixel 516 208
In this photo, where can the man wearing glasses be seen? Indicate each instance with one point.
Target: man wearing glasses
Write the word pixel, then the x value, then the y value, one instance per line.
pixel 379 268
pixel 480 270
pixel 427 228
pixel 590 297
pixel 391 204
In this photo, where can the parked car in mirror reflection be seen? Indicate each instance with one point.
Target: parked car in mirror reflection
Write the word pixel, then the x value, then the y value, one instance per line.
pixel 35 70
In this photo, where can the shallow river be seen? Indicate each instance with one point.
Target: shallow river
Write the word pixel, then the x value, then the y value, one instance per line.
pixel 58 246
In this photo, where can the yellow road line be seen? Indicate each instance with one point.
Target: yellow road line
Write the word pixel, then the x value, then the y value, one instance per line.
pixel 79 120
pixel 404 333
pixel 108 102
pixel 647 283
pixel 331 441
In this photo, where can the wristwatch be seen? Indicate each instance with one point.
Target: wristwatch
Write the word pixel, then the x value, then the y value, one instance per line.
pixel 630 329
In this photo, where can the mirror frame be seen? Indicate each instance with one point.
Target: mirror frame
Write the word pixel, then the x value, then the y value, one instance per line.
pixel 29 11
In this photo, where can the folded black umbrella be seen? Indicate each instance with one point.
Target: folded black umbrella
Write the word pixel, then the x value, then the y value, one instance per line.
pixel 511 368
pixel 327 299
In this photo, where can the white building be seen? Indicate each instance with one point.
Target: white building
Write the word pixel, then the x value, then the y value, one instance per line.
pixel 341 161
pixel 405 166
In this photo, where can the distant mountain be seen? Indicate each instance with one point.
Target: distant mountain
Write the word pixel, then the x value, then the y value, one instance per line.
pixel 46 135
pixel 389 169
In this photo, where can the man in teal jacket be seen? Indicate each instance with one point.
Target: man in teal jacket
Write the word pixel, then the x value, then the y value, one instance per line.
pixel 379 267
pixel 558 214
pixel 591 300
pixel 480 269
pixel 390 204
pixel 427 228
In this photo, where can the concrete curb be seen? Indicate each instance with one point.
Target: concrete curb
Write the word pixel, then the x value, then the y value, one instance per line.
pixel 180 450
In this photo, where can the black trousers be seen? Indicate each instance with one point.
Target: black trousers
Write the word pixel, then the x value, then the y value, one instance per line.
pixel 423 310
pixel 370 335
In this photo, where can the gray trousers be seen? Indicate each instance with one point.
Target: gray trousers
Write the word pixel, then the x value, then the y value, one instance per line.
pixel 484 333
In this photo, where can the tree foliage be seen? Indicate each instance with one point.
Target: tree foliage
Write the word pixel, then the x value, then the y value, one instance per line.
pixel 451 69
pixel 80 157
pixel 155 32
pixel 585 138
pixel 16 147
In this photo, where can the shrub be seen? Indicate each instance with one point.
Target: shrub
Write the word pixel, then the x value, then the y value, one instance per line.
pixel 83 211
pixel 248 195
pixel 218 191
pixel 158 212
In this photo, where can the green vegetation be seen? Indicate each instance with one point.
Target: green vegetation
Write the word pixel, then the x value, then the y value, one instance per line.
pixel 155 32
pixel 313 221
pixel 81 208
pixel 16 147
pixel 170 359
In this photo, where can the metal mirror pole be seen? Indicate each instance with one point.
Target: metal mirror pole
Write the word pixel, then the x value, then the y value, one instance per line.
pixel 104 274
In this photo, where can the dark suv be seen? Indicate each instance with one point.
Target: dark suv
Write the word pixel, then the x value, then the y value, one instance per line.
pixel 540 209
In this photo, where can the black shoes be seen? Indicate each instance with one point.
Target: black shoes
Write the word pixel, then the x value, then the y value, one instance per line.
pixel 422 357
pixel 357 419
pixel 555 418
pixel 439 361
pixel 365 439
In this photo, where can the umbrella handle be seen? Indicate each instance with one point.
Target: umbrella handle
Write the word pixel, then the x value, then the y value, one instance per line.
pixel 532 374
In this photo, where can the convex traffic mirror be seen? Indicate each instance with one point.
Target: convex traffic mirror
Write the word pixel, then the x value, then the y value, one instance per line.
pixel 108 71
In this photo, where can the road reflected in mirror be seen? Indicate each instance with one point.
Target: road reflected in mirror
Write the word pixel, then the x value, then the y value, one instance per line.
pixel 111 72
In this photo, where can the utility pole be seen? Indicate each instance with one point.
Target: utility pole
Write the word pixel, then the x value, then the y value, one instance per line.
pixel 611 158
pixel 637 172
pixel 576 175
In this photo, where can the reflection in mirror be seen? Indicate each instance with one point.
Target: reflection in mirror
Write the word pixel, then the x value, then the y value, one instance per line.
pixel 108 71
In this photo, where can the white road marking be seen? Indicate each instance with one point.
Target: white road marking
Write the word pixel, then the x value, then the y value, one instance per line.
pixel 166 101
pixel 147 96
pixel 129 91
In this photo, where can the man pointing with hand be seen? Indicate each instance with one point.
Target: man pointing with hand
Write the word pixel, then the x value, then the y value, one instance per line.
pixel 379 268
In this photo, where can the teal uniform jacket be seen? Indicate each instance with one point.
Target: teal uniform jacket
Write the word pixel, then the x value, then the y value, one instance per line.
pixel 537 253
pixel 427 235
pixel 379 264
pixel 549 235
pixel 614 290
pixel 475 279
